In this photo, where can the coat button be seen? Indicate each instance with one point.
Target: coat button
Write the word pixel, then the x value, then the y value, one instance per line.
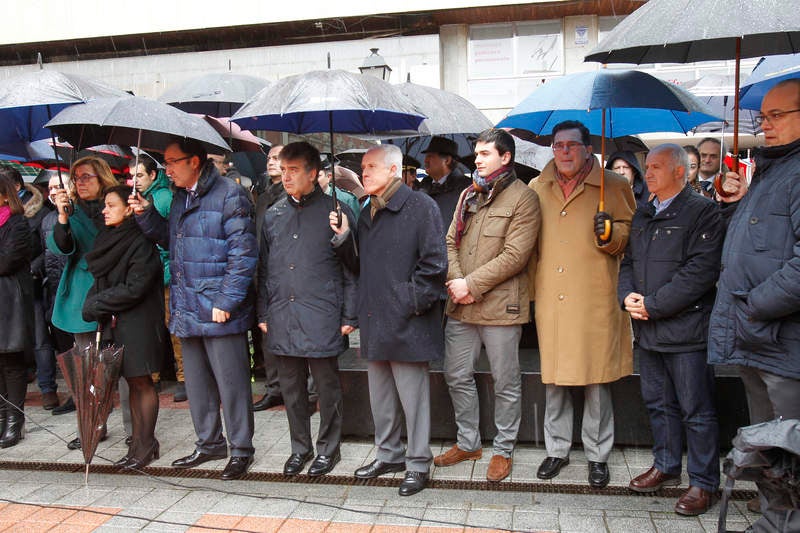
pixel 294 236
pixel 561 296
pixel 754 220
pixel 291 298
pixel 563 213
pixel 291 266
pixel 560 269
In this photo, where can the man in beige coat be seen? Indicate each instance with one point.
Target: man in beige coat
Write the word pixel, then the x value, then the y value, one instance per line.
pixel 584 335
pixel 489 246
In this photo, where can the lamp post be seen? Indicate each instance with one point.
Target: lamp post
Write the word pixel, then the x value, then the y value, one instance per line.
pixel 375 65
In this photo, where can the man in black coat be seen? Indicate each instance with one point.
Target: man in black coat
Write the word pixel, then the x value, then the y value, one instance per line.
pixel 403 264
pixel 666 283
pixel 444 181
pixel 306 306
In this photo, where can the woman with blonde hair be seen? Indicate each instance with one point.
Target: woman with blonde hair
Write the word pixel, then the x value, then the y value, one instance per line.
pixel 80 218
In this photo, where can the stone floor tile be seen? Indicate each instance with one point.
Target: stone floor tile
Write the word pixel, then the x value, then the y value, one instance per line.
pixel 291 525
pixel 639 525
pixel 444 518
pixel 482 518
pixel 532 521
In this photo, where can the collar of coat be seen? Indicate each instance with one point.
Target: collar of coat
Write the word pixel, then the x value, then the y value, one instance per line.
pixel 770 154
pixel 208 175
pixel 394 204
pixel 306 199
pixel 549 173
pixel 673 208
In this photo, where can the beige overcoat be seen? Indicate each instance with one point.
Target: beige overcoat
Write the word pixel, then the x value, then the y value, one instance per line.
pixel 584 335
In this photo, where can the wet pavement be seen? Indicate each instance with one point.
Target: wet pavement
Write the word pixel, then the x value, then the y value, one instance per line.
pixel 42 489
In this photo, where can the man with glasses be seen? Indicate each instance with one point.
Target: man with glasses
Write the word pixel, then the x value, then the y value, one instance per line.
pixel 756 319
pixel 710 150
pixel 584 335
pixel 210 236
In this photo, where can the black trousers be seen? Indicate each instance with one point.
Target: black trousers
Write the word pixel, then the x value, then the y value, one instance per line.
pixel 293 374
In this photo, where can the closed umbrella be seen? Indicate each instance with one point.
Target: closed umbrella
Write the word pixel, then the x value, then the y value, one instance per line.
pixel 684 31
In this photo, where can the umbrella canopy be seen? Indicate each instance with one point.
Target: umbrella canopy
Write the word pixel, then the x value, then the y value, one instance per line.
pixel 217 95
pixel 29 100
pixel 716 91
pixel 91 374
pixel 634 102
pixel 126 121
pixel 684 31
pixel 239 140
pixel 28 173
pixel 330 101
pixel 767 73
pixel 446 112
pixel 617 144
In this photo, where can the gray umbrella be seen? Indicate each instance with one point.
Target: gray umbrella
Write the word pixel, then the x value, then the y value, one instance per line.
pixel 133 121
pixel 216 95
pixel 684 31
pixel 447 112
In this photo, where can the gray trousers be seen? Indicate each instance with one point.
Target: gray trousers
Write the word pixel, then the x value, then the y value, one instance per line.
pixel 770 396
pixel 273 385
pixel 397 389
pixel 217 370
pixel 293 372
pixel 87 339
pixel 597 429
pixel 462 349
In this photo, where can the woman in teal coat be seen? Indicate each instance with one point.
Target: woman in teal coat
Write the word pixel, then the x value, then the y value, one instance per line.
pixel 73 236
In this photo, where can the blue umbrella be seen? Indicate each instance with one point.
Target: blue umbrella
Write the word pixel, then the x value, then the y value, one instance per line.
pixel 332 101
pixel 611 103
pixel 766 74
pixel 632 102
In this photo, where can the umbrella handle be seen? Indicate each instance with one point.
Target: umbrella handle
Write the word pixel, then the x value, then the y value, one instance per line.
pixel 607 224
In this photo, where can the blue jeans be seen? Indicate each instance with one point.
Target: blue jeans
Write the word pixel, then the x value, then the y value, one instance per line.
pixel 678 391
pixel 43 352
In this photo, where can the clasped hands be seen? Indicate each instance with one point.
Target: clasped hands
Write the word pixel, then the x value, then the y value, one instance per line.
pixel 634 304
pixel 458 290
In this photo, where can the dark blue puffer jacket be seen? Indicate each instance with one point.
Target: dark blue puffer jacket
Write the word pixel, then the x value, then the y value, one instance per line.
pixel 213 255
pixel 756 317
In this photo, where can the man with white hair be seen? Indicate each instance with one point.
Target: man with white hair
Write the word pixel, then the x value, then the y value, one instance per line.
pixel 667 283
pixel 403 266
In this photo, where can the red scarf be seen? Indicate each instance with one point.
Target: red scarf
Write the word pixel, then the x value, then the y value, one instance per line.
pixel 568 185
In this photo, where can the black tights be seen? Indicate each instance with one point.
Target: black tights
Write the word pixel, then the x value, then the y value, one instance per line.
pixel 144 412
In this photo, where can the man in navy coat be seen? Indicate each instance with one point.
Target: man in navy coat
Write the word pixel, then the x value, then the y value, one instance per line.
pixel 403 264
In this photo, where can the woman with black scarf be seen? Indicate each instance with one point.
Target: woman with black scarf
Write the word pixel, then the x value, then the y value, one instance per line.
pixel 127 300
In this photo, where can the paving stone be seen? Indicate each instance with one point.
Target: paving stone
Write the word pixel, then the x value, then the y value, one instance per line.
pixel 639 525
pixel 532 521
pixel 490 519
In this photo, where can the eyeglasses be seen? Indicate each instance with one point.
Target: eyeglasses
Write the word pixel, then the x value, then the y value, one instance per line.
pixel 566 147
pixel 620 168
pixel 84 178
pixel 172 163
pixel 693 165
pixel 772 117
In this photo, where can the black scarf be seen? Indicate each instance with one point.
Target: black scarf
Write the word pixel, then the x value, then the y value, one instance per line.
pixel 110 245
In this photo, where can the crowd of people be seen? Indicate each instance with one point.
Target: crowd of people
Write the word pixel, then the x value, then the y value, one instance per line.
pixel 687 265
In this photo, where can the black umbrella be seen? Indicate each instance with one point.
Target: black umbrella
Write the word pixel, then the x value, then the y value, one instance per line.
pixel 217 95
pixel 684 31
pixel 133 121
pixel 446 112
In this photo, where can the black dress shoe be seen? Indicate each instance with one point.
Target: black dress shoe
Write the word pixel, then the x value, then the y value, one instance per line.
pixel 296 462
pixel 598 475
pixel 64 408
pixel 236 467
pixel 323 464
pixel 268 402
pixel 378 468
pixel 413 483
pixel 551 466
pixel 75 444
pixel 197 458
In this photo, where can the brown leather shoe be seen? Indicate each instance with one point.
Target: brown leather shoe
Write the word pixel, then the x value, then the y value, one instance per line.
pixel 695 501
pixel 499 468
pixel 455 455
pixel 754 505
pixel 652 480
